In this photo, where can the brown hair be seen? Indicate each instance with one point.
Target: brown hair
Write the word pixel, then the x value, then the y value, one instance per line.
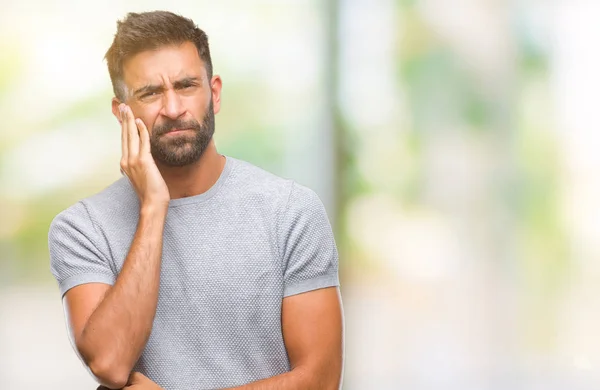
pixel 148 31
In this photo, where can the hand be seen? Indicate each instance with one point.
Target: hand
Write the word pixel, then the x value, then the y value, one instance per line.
pixel 137 162
pixel 137 381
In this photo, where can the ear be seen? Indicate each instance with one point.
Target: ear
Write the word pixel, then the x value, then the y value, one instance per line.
pixel 215 85
pixel 115 108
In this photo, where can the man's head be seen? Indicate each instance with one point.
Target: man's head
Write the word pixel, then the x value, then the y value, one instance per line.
pixel 159 64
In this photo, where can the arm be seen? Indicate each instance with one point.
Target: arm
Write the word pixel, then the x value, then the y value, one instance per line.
pixel 111 325
pixel 312 325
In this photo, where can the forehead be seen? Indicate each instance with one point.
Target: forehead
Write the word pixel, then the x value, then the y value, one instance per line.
pixel 167 63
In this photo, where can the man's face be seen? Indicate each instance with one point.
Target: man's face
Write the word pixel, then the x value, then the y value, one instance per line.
pixel 169 90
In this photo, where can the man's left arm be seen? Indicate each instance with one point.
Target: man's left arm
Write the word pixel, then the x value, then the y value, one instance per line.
pixel 311 313
pixel 312 325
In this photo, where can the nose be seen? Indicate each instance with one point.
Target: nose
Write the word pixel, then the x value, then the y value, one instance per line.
pixel 173 107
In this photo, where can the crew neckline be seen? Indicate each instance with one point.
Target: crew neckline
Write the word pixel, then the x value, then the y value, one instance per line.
pixel 229 163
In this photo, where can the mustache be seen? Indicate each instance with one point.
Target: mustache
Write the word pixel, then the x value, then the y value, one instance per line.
pixel 172 124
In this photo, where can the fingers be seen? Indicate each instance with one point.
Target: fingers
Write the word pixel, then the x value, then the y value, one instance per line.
pixel 132 134
pixel 135 138
pixel 144 136
pixel 124 138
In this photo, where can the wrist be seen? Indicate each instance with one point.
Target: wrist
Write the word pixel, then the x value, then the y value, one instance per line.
pixel 154 209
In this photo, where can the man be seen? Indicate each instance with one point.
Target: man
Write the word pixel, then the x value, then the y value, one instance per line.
pixel 195 270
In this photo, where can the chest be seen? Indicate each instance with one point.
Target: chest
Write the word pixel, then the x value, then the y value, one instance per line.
pixel 215 258
pixel 220 285
pixel 234 263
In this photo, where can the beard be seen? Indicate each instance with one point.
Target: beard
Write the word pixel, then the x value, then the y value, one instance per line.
pixel 183 149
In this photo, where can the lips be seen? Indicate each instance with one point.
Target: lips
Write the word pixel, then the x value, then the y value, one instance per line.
pixel 175 131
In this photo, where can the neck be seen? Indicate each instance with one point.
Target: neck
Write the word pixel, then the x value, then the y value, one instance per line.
pixel 194 179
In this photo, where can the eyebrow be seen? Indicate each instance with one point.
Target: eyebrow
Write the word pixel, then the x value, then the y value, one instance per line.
pixel 184 82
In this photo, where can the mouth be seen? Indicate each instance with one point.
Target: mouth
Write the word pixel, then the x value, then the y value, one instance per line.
pixel 176 131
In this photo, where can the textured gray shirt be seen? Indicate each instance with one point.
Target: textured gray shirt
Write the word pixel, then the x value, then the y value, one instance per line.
pixel 230 255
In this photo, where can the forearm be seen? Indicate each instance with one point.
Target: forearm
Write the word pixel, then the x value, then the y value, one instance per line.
pixel 297 379
pixel 291 380
pixel 117 331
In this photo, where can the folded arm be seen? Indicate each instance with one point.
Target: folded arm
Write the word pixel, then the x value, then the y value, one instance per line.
pixel 312 324
pixel 111 325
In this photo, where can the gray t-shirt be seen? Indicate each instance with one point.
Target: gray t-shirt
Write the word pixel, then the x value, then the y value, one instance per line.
pixel 230 255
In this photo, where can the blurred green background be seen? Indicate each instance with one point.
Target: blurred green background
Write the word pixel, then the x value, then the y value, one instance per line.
pixel 454 144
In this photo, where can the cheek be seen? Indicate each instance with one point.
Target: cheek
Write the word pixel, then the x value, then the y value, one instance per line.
pixel 149 116
pixel 196 102
pixel 197 106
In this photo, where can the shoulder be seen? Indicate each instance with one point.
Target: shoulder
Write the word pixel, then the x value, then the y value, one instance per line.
pixel 288 192
pixel 116 197
pixel 303 197
pixel 283 197
pixel 111 202
pixel 256 183
pixel 249 175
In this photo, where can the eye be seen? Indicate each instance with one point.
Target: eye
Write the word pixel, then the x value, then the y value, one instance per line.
pixel 187 85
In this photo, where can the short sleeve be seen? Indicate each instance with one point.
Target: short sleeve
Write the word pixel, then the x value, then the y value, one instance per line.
pixel 76 254
pixel 310 255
